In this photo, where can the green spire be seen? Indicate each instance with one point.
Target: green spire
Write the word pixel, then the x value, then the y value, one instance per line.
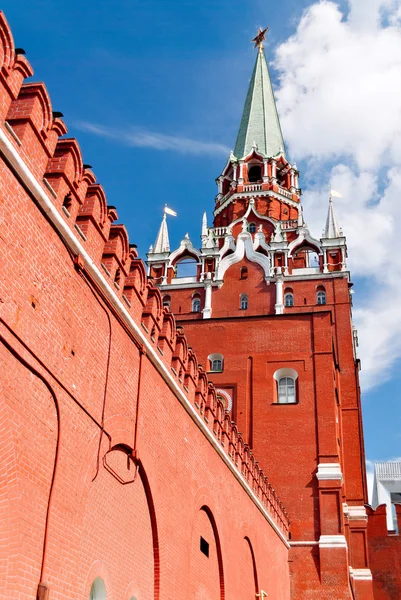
pixel 260 123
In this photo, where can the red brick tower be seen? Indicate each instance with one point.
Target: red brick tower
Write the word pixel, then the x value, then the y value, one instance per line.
pixel 267 308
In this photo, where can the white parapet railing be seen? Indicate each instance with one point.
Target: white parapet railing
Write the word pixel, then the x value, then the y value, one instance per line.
pixel 253 187
pixel 388 471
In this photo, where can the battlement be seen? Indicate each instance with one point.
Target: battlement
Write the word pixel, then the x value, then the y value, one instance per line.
pixel 52 169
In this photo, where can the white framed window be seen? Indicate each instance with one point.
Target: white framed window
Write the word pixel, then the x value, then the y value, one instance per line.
pixel 196 304
pixel 286 390
pixel 286 382
pixel 243 302
pixel 321 296
pixel 252 227
pixel 98 590
pixel 288 299
pixel 216 362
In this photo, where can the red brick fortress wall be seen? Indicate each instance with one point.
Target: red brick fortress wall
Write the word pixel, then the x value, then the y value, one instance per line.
pixel 116 455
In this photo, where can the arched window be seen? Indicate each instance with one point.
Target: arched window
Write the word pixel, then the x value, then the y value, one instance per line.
pixel 321 295
pixel 243 273
pixel 286 386
pixel 243 302
pixel 216 362
pixel 98 590
pixel 254 173
pixel 252 227
pixel 196 304
pixel 288 298
pixel 167 301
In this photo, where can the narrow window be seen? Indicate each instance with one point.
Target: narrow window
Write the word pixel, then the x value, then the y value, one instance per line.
pixel 289 299
pixel 321 296
pixel 196 304
pixel 204 546
pixel 167 301
pixel 243 303
pixel 117 278
pixel 252 228
pixel 286 390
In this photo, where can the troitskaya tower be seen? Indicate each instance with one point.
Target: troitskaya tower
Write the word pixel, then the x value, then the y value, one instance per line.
pixel 267 307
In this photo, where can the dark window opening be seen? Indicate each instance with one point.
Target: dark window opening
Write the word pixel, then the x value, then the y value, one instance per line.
pixel 252 228
pixel 204 546
pixel 244 273
pixel 254 174
pixel 67 203
pixel 117 277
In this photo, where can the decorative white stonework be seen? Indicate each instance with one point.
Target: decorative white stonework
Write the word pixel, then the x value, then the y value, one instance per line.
pixel 329 471
pixel 227 396
pixel 332 541
pixel 207 311
pixel 360 574
pixel 355 513
pixel 279 306
pixel 244 247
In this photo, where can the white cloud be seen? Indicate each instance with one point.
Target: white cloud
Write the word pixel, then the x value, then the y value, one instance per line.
pixel 157 141
pixel 340 104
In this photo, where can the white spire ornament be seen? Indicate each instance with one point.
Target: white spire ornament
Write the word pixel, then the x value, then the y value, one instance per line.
pixel 332 231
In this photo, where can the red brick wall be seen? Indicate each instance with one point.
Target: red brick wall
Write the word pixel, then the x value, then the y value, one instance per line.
pixel 82 408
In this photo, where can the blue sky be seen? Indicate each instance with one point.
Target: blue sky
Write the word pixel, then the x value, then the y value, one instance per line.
pixel 154 90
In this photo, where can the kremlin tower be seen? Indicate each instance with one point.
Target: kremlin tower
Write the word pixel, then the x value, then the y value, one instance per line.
pixel 267 308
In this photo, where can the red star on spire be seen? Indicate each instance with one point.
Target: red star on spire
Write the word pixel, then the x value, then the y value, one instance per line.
pixel 260 37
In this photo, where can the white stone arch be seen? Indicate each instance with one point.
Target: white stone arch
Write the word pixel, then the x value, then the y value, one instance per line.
pixel 185 249
pixel 251 209
pixel 243 248
pixel 304 237
pixel 227 396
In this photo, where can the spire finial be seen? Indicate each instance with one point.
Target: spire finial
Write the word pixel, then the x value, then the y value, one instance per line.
pixel 332 231
pixel 259 39
pixel 259 122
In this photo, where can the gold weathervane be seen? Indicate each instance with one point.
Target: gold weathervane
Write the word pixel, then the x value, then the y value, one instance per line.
pixel 259 39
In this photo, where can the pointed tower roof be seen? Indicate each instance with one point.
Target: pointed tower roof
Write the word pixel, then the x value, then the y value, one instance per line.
pixel 260 124
pixel 331 230
pixel 162 243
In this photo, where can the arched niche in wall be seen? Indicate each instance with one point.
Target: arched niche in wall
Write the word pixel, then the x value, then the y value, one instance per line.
pixel 206 578
pixel 247 571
